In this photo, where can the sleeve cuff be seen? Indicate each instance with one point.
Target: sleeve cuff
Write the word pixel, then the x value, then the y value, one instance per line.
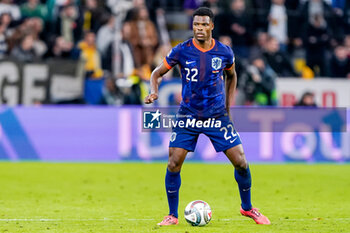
pixel 166 64
pixel 230 67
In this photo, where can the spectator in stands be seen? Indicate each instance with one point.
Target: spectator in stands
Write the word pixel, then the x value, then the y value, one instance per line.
pixel 124 58
pixel 91 56
pixel 7 6
pixel 5 22
pixel 33 26
pixel 33 8
pixel 277 59
pixel 3 42
pixel 93 13
pixel 316 7
pixel 105 37
pixel 54 8
pixel 28 26
pixel 306 100
pixel 341 10
pixel 94 75
pixel 261 12
pixel 258 83
pixel 143 38
pixel 16 35
pixel 238 25
pixel 340 63
pixel 316 43
pixel 338 7
pixel 60 49
pixel 136 4
pixel 137 90
pixel 68 24
pixel 278 23
pixel 112 95
pixel 323 11
pixel 25 50
pixel 239 63
pixel 347 45
pixel 36 26
pixel 257 48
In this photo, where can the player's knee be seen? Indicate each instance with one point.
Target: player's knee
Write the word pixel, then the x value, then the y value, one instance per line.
pixel 242 166
pixel 241 163
pixel 176 158
pixel 174 166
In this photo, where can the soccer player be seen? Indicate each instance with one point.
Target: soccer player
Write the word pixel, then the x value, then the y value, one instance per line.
pixel 205 95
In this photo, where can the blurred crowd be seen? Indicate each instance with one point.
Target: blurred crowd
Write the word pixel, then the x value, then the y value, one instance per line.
pixel 121 41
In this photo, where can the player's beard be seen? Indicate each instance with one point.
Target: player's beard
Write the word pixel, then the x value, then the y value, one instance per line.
pixel 201 39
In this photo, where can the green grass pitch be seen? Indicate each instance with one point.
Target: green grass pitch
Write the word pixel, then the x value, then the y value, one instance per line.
pixel 130 197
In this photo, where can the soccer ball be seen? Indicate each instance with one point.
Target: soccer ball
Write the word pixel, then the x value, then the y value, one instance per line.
pixel 198 213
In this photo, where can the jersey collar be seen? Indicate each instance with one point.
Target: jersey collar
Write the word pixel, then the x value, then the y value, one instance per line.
pixel 200 48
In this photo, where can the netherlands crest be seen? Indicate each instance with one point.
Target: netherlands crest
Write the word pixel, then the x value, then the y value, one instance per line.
pixel 173 136
pixel 216 63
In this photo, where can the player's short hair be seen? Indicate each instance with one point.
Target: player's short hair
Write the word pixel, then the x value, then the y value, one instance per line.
pixel 204 11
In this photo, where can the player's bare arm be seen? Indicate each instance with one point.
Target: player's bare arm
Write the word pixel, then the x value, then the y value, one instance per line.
pixel 231 82
pixel 156 79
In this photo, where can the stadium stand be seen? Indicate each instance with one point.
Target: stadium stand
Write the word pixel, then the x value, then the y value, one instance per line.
pixel 300 39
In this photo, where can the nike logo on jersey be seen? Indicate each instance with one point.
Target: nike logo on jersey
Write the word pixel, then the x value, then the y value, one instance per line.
pixel 234 135
pixel 172 191
pixel 189 62
pixel 233 140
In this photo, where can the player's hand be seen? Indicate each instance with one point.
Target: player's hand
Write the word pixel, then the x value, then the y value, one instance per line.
pixel 151 98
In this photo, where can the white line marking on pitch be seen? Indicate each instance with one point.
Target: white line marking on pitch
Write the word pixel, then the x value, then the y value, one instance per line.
pixel 152 219
pixel 294 219
pixel 61 220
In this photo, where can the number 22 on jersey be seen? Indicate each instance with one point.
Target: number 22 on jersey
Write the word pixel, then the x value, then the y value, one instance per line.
pixel 191 74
